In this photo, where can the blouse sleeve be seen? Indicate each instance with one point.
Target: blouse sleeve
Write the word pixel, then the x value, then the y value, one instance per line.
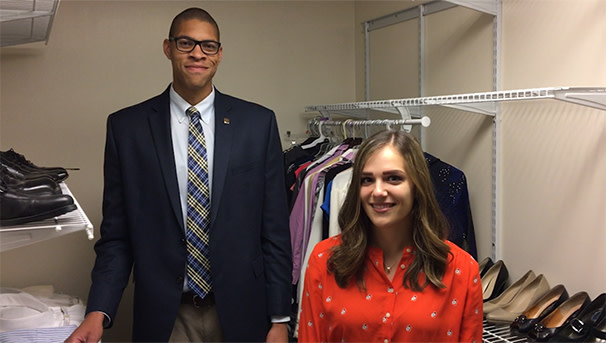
pixel 471 325
pixel 312 327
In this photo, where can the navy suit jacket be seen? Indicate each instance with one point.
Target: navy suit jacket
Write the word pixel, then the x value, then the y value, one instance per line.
pixel 143 231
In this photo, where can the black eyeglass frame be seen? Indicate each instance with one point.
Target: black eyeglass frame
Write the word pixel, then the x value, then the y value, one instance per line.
pixel 196 42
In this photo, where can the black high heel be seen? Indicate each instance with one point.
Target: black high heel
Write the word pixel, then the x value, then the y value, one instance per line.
pixel 484 265
pixel 540 309
pixel 598 332
pixel 556 320
pixel 495 280
pixel 579 328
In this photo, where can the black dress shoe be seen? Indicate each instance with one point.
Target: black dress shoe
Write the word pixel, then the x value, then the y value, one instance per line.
pixel 18 172
pixel 539 310
pixel 19 208
pixel 556 320
pixel 495 280
pixel 41 185
pixel 17 162
pixel 598 332
pixel 579 328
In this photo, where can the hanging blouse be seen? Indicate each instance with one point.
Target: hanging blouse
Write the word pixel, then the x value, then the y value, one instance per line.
pixel 387 311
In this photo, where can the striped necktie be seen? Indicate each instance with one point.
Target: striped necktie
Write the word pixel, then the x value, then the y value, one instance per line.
pixel 198 205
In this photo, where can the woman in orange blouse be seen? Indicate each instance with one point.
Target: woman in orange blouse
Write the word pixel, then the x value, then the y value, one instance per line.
pixel 391 275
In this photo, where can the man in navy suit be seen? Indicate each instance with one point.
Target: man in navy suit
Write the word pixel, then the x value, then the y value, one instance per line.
pixel 145 190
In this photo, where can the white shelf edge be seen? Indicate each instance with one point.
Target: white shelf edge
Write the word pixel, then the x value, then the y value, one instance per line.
pixel 482 102
pixel 11 15
pixel 16 236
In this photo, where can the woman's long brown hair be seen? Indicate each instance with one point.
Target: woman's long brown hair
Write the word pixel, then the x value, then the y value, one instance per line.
pixel 429 228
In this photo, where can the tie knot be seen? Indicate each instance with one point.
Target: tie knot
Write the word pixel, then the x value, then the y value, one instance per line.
pixel 193 113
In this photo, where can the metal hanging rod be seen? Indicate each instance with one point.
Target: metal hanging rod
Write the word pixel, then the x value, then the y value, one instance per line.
pixel 318 124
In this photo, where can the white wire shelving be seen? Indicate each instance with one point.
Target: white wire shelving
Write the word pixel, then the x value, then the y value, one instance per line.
pixel 16 236
pixel 483 102
pixel 26 21
pixel 500 333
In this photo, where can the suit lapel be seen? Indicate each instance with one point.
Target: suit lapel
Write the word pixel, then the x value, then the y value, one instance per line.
pixel 159 123
pixel 223 143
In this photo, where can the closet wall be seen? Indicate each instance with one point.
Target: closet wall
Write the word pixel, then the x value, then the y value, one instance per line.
pixel 104 55
pixel 551 210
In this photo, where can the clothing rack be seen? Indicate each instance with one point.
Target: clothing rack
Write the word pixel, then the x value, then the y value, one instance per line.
pixel 347 127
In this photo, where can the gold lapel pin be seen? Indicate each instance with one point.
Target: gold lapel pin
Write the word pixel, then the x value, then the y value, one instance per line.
pixel 226 121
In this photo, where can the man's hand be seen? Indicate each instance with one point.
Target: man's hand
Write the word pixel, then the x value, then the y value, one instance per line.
pixel 278 333
pixel 89 331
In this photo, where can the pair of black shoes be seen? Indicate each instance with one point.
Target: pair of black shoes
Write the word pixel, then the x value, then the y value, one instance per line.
pixel 589 325
pixel 21 168
pixel 30 193
pixel 556 317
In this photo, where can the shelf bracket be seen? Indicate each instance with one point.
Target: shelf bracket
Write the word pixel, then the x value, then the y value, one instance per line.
pixel 486 108
pixel 595 98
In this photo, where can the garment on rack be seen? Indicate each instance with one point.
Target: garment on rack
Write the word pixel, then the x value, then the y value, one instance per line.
pixel 294 158
pixel 38 314
pixel 310 189
pixel 44 335
pixel 450 185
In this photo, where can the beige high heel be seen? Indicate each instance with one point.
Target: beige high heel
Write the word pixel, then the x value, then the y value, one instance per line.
pixel 509 294
pixel 526 297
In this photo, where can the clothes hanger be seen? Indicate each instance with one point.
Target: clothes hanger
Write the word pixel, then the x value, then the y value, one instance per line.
pixel 320 139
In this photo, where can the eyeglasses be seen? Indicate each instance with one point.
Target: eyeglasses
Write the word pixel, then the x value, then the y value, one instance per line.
pixel 186 44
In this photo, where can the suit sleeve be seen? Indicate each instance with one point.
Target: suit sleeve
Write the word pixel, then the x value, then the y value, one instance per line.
pixel 114 259
pixel 275 233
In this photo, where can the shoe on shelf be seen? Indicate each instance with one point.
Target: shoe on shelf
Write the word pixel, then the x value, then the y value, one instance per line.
pixel 39 186
pixel 558 318
pixel 509 294
pixel 598 332
pixel 579 328
pixel 494 281
pixel 539 309
pixel 18 208
pixel 484 265
pixel 527 296
pixel 17 162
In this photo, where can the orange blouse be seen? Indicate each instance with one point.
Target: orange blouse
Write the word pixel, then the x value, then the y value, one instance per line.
pixel 387 311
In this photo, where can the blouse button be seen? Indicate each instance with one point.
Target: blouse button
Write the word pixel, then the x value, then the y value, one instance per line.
pixel 390 290
pixel 386 340
pixel 387 315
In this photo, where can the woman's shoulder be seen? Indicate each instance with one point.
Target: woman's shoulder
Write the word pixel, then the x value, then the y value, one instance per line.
pixel 460 256
pixel 320 254
pixel 327 244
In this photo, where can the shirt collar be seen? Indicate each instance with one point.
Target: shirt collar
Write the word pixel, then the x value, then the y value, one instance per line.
pixel 204 107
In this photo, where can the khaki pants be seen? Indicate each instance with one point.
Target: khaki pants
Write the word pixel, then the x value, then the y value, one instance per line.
pixel 197 322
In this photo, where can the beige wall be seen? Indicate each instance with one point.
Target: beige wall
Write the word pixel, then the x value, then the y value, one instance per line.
pixel 551 208
pixel 104 55
pixel 554 153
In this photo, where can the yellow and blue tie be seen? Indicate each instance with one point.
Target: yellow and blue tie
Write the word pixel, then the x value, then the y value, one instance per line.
pixel 198 206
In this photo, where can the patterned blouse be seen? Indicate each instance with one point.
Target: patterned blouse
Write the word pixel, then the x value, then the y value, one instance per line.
pixel 387 311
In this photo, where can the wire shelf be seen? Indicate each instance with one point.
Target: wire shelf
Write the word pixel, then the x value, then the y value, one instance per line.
pixel 15 236
pixel 500 333
pixel 484 102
